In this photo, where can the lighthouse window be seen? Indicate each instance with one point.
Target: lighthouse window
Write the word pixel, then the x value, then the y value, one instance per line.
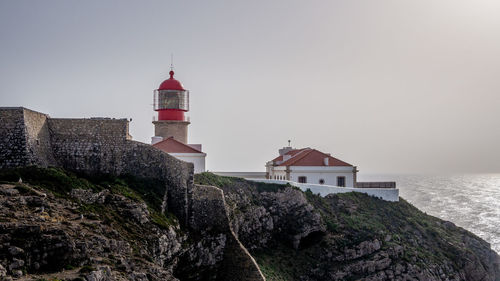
pixel 321 181
pixel 302 179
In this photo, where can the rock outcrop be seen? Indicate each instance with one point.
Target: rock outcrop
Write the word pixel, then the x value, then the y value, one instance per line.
pixel 301 236
pixel 57 225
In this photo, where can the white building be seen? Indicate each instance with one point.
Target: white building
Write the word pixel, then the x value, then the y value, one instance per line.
pixel 186 152
pixel 309 165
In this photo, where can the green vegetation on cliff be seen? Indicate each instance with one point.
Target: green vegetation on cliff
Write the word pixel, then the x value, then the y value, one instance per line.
pixel 208 178
pixel 61 182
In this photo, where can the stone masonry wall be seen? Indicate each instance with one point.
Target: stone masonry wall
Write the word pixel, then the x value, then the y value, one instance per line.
pixel 13 149
pixel 93 145
pixel 38 138
pixel 176 129
pixel 24 138
pixel 102 146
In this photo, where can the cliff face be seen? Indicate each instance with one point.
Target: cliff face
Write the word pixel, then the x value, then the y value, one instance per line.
pixel 56 224
pixel 301 236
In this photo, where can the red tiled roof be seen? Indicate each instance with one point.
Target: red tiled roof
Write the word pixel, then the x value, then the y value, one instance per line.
pixel 292 153
pixel 172 145
pixel 311 157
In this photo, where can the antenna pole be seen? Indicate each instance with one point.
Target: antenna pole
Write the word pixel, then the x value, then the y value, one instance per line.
pixel 172 61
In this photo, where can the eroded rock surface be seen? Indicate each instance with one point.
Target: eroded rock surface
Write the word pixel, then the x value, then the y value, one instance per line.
pixel 112 234
pixel 300 236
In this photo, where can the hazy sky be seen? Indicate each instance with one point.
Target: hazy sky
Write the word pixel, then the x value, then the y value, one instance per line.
pixel 389 86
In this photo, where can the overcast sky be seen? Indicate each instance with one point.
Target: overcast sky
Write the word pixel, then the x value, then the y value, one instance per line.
pixel 390 86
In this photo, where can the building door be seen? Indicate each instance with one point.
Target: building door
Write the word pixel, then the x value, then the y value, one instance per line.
pixel 302 179
pixel 341 181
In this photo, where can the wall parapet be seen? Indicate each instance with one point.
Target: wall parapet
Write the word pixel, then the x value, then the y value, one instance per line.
pixel 387 194
pixel 376 184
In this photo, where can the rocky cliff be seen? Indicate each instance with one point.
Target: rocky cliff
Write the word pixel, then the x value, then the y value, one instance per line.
pixel 301 236
pixel 55 225
pixel 58 225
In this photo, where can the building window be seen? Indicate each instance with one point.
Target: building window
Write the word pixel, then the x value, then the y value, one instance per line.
pixel 321 181
pixel 341 181
pixel 302 179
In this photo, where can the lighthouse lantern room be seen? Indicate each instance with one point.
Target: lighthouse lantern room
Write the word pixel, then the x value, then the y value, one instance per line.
pixel 171 100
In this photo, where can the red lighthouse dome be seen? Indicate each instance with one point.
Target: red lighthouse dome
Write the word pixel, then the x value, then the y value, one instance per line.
pixel 171 83
pixel 171 100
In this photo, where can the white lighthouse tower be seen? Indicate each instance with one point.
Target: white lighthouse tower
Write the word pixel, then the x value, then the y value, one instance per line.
pixel 171 101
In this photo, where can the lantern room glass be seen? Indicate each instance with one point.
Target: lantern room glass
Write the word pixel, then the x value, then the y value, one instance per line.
pixel 171 99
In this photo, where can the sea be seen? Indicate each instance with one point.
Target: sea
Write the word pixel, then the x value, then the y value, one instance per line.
pixel 471 201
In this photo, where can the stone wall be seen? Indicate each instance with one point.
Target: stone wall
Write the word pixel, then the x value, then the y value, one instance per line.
pixel 93 145
pixel 24 138
pixel 13 148
pixel 38 138
pixel 103 146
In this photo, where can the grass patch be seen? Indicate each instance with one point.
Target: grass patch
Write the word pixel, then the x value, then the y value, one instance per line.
pixel 270 187
pixel 284 263
pixel 207 178
pixel 86 269
pixel 56 180
pixel 162 220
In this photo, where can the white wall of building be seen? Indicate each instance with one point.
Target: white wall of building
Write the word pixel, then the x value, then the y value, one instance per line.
pixel 314 174
pixel 198 159
pixel 387 194
pixel 329 178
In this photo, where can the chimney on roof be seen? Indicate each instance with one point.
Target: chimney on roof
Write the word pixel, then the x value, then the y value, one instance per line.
pixel 325 161
pixel 285 150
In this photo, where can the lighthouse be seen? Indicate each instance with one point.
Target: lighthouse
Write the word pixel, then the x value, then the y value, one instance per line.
pixel 171 102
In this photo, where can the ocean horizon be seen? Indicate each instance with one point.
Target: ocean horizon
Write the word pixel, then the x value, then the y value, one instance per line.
pixel 471 201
